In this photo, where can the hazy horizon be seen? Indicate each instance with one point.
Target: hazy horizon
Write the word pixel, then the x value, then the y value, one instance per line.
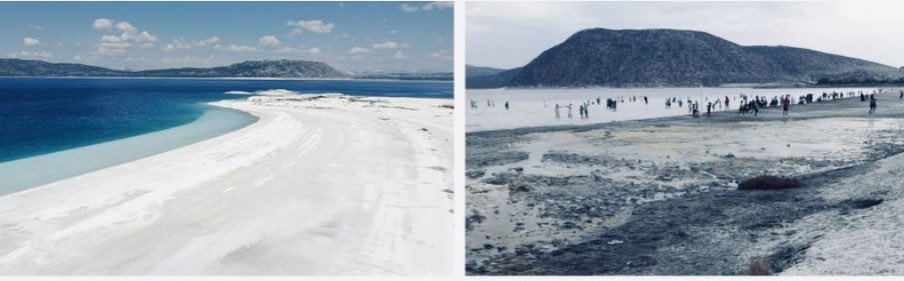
pixel 350 36
pixel 526 29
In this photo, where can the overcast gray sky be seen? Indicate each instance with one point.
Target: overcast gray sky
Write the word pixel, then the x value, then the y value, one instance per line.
pixel 510 34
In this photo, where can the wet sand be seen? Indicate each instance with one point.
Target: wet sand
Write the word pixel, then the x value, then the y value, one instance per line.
pixel 660 196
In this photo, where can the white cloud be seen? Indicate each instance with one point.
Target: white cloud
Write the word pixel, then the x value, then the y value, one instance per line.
pixel 441 55
pixel 181 44
pixel 126 27
pixel 358 51
pixel 30 55
pixel 103 24
pixel 439 5
pixel 77 58
pixel 117 41
pixel 35 27
pixel 386 45
pixel 30 42
pixel 209 41
pixel 409 8
pixel 398 55
pixel 316 26
pixel 269 41
pixel 238 48
pixel 296 32
pixel 314 50
pixel 177 44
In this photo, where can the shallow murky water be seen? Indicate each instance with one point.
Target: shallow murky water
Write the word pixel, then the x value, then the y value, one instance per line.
pixel 536 107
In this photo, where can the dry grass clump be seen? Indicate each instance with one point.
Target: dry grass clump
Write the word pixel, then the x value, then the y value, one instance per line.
pixel 768 182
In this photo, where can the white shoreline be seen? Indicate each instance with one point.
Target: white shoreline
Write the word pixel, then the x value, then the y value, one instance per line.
pixel 336 185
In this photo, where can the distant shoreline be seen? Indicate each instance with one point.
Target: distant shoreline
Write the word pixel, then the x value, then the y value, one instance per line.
pixel 217 78
pixel 735 86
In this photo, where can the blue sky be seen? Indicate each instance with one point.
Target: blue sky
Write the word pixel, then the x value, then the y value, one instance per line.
pixel 351 36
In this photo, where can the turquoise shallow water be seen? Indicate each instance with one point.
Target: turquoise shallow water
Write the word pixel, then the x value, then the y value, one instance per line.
pixel 46 168
pixel 55 128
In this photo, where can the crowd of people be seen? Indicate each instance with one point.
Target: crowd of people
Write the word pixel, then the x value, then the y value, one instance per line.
pixel 746 105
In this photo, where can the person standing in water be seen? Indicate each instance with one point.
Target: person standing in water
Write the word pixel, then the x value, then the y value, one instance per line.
pixel 506 105
pixel 872 104
pixel 569 111
pixel 557 111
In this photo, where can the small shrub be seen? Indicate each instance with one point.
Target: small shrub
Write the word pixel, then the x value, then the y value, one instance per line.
pixel 768 182
pixel 760 267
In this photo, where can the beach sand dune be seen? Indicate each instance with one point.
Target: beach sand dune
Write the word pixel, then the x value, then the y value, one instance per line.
pixel 332 185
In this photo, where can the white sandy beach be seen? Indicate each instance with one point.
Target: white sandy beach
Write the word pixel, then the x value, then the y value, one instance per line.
pixel 331 185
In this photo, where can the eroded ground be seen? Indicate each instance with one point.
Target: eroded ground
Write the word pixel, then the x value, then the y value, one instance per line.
pixel 659 196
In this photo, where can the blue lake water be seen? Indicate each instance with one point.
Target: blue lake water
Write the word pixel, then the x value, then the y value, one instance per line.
pixel 54 128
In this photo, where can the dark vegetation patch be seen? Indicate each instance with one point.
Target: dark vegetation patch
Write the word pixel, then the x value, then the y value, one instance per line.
pixel 759 267
pixel 767 182
pixel 474 218
pixel 786 256
pixel 474 174
pixel 496 159
pixel 862 203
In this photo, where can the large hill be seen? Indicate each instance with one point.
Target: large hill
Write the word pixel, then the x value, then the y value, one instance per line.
pixel 665 57
pixel 269 68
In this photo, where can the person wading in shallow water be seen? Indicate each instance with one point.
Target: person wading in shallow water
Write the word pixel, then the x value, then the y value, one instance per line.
pixel 557 111
pixel 872 104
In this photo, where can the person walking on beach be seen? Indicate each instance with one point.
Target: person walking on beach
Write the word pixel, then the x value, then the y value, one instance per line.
pixel 902 95
pixel 645 100
pixel 506 105
pixel 785 104
pixel 872 104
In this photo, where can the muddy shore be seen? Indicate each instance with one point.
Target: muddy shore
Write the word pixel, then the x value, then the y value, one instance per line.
pixel 659 196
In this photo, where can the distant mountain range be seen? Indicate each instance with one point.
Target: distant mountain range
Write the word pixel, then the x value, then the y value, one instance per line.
pixel 477 71
pixel 665 57
pixel 248 69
